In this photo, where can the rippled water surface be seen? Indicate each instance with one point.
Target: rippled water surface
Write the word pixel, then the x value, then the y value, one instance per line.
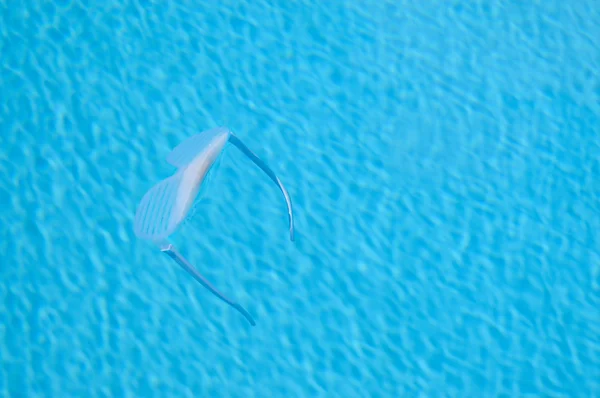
pixel 443 159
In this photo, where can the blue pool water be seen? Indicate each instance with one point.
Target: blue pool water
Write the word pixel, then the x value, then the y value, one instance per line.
pixel 443 159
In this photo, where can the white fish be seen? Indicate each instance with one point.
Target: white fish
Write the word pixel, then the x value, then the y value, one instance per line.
pixel 165 206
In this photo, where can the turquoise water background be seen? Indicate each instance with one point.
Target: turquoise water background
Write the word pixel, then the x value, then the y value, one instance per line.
pixel 442 157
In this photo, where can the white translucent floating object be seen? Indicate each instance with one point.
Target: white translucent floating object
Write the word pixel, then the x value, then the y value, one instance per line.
pixel 166 205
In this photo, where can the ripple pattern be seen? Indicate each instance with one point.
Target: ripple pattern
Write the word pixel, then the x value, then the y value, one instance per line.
pixel 442 159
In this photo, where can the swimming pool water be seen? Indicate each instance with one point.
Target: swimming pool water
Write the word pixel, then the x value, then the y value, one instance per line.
pixel 443 162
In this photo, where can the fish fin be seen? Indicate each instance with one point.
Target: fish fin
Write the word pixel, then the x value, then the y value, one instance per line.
pixel 187 150
pixel 179 259
pixel 264 167
pixel 153 218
